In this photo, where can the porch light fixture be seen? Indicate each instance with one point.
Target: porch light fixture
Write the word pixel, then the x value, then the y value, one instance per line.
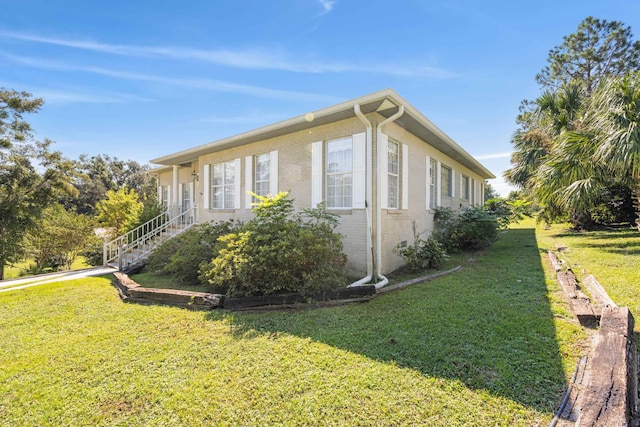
pixel 195 176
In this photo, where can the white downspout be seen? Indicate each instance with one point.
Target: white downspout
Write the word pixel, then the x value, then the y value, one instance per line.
pixel 379 194
pixel 368 196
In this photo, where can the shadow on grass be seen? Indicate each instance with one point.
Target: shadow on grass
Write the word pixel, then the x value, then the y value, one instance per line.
pixel 489 326
pixel 628 240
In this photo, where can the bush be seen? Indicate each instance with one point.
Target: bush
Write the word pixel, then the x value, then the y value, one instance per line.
pixel 615 207
pixel 423 254
pixel 278 251
pixel 94 252
pixel 469 228
pixel 508 211
pixel 182 256
pixel 499 208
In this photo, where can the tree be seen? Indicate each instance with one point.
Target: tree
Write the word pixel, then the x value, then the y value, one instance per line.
pixel 582 154
pixel 616 114
pixel 598 49
pixel 559 154
pixel 60 237
pixel 489 192
pixel 31 175
pixel 119 211
pixel 95 175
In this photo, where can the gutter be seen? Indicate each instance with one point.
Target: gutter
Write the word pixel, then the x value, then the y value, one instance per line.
pixel 368 196
pixel 379 134
pixel 372 271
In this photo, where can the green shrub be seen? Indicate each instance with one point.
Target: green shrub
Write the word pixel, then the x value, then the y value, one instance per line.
pixel 508 211
pixel 149 212
pixel 469 228
pixel 278 251
pixel 499 208
pixel 182 256
pixel 94 252
pixel 422 254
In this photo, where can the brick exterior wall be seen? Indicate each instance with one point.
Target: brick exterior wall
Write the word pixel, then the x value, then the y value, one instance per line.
pixel 294 173
pixel 397 223
pixel 295 176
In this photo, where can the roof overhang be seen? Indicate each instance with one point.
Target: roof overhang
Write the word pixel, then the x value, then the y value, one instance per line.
pixel 385 102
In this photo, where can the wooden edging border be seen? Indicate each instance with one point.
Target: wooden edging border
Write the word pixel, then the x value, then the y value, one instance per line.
pixel 130 291
pixel 607 395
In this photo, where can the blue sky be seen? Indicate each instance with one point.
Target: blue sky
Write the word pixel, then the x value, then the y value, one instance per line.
pixel 141 79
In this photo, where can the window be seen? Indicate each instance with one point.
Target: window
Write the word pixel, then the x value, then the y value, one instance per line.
pixel 186 197
pixel 446 179
pixel 164 196
pixel 432 183
pixel 222 185
pixel 262 176
pixel 464 187
pixel 339 171
pixel 393 158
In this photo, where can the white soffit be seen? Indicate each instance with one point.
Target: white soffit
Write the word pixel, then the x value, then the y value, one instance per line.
pixel 386 104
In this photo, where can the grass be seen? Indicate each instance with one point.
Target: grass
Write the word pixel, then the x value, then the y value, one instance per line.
pixel 490 345
pixel 612 256
pixel 152 280
pixel 22 268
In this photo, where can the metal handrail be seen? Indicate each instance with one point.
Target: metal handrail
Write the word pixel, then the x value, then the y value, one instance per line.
pixel 141 241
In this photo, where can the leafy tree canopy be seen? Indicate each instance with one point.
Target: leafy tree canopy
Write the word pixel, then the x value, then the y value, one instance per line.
pixel 60 237
pixel 31 175
pixel 599 48
pixel 579 141
pixel 95 175
pixel 120 210
pixel 13 105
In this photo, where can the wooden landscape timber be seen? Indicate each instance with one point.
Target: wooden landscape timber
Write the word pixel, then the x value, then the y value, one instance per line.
pixel 610 395
pixel 588 314
pixel 130 291
pixel 607 392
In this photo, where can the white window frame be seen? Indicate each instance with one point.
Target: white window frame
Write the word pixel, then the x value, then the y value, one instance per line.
pixel 393 179
pixel 446 192
pixel 225 186
pixel 164 196
pixel 186 196
pixel 346 194
pixel 251 173
pixel 432 181
pixel 358 170
pixel 257 179
pixel 464 187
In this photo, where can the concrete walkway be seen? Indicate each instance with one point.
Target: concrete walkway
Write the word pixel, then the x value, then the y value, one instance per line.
pixel 43 279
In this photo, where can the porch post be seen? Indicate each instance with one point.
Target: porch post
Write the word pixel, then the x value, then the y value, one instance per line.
pixel 174 190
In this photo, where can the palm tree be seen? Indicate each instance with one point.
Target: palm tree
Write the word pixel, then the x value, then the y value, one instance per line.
pixel 616 114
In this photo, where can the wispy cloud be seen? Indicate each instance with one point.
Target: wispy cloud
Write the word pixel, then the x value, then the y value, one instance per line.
pixel 196 83
pixel 77 95
pixel 506 154
pixel 248 118
pixel 54 96
pixel 249 58
pixel 327 6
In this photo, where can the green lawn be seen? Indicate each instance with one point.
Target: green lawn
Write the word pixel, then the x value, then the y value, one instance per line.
pixel 612 256
pixel 490 345
pixel 22 268
pixel 151 280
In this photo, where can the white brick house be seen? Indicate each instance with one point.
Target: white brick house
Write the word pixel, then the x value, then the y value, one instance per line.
pixel 376 160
